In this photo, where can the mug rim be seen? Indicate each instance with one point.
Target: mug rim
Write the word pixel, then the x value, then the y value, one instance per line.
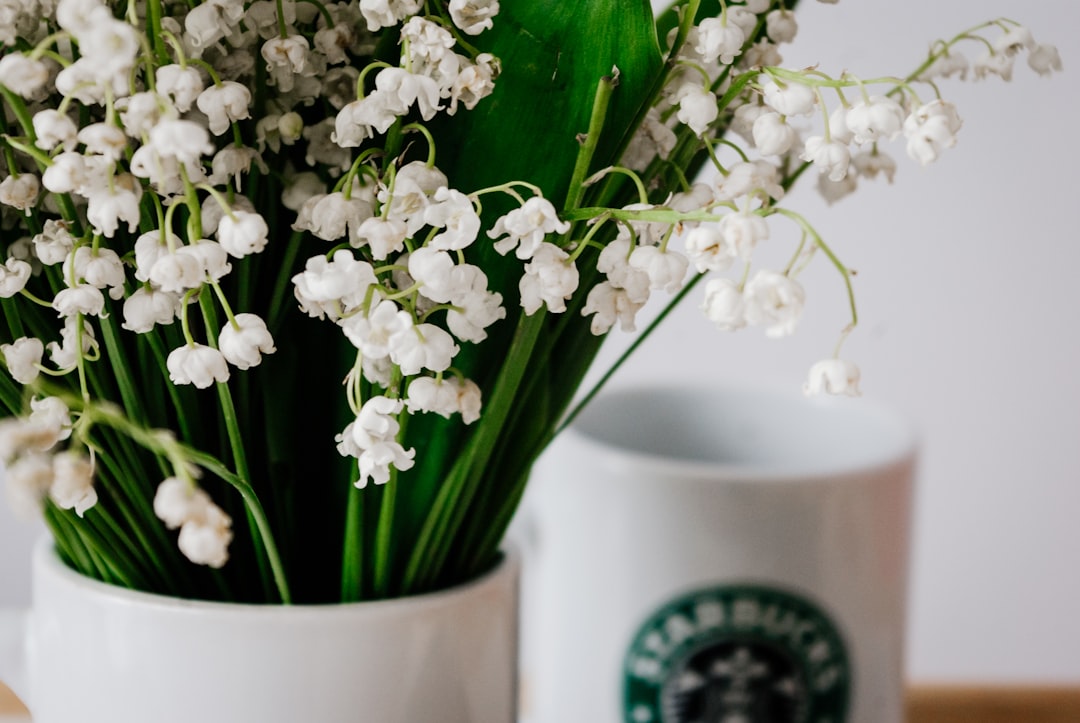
pixel 624 456
pixel 47 563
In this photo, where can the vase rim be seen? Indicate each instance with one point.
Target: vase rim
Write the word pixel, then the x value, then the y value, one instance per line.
pixel 47 564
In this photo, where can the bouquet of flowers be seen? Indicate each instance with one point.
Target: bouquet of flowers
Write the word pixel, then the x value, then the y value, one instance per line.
pixel 296 291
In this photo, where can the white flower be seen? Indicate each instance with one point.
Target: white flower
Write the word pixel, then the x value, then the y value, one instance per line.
pixel 833 376
pixel 876 119
pixel 831 157
pixel 371 332
pixel 243 341
pixel 377 421
pixel 232 162
pixel 473 16
pixel 374 463
pixel 242 233
pixel 474 82
pixel 1044 59
pixel 404 89
pixel 79 299
pixel 177 501
pixel 101 268
pixel 224 105
pixel 285 59
pixel 454 212
pixel 149 247
pixel 140 112
pixel 781 26
pixel 205 538
pixel 414 184
pixel 724 304
pixel 186 141
pixel 73 482
pixel 109 48
pixel 386 13
pixel 445 397
pixel 51 417
pixel 775 300
pixel 108 207
pixel 22 75
pixel 719 39
pixel 65 355
pixel 20 191
pixel 325 286
pixel 607 304
pixel 14 273
pixel 213 261
pixel 666 269
pixel 182 84
pixel 53 129
pixel 772 135
pixel 148 307
pixel 27 480
pixel 424 346
pixel 789 99
pixel 742 231
pixel 334 215
pixel 352 125
pixel 550 278
pixel 23 358
pixel 525 227
pixel 197 364
pixel 833 191
pixel 931 128
pixel 652 139
pixel 54 243
pixel 1017 38
pixel 870 163
pixel 474 311
pixel 709 249
pixel 748 178
pixel 698 107
pixel 103 139
pixel 177 272
pixel 383 236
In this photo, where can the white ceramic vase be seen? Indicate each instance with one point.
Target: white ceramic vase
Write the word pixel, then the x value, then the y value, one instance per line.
pixel 95 653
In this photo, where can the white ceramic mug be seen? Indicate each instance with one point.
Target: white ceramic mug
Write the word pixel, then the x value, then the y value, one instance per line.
pixel 88 652
pixel 719 555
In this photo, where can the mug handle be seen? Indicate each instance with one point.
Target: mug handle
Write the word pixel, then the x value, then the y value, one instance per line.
pixel 14 626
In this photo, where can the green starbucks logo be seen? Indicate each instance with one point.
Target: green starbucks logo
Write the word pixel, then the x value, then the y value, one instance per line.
pixel 743 654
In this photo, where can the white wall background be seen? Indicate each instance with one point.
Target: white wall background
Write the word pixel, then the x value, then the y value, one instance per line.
pixel 967 292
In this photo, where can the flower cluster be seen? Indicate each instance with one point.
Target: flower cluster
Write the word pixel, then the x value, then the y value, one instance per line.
pixel 155 156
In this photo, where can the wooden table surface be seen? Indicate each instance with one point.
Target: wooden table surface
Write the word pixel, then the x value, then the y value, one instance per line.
pixel 927 704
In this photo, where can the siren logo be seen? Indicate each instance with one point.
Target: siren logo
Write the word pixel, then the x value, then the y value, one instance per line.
pixel 745 654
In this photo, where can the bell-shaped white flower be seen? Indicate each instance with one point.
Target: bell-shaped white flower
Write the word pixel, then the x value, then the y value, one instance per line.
pixel 224 105
pixel 20 192
pixel 72 486
pixel 79 299
pixel 22 75
pixel 148 307
pixel 445 397
pixel 108 207
pixel 789 99
pixel 387 13
pixel 878 118
pixel 383 236
pixel 242 233
pixel 724 304
pixel 780 25
pixel 742 231
pixel 833 376
pixel 424 346
pixel 930 129
pixel 65 355
pixel 51 416
pixel 176 501
pixel 334 216
pixel 718 39
pixel 754 177
pixel 872 162
pixel 54 243
pixel 698 107
pixel 832 158
pixel 244 340
pixel 186 141
pixel 775 301
pixel 14 273
pixel 371 332
pixel 608 303
pixel 205 538
pixel 473 17
pixel 328 288
pixel 182 84
pixel 197 364
pixel 53 129
pixel 453 212
pixel 709 249
pixel 374 463
pixel 524 228
pixel 213 260
pixel 27 481
pixel 550 278
pixel 474 82
pixel 23 359
pixel 177 272
pixel 773 136
pixel 666 269
pixel 1044 59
